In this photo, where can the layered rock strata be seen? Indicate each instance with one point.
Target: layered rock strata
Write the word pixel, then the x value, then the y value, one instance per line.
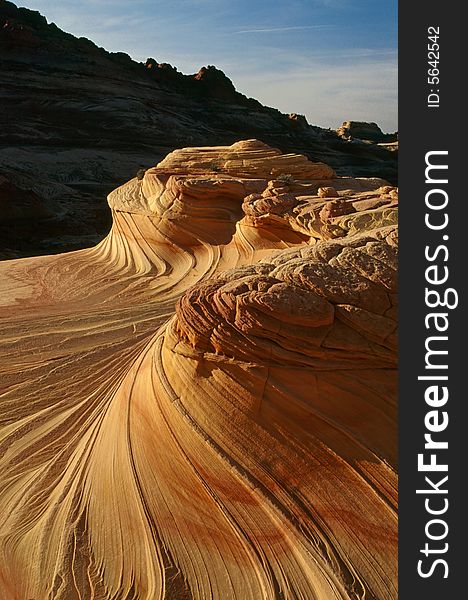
pixel 204 404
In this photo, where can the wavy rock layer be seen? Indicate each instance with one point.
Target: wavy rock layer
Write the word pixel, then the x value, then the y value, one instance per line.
pixel 203 405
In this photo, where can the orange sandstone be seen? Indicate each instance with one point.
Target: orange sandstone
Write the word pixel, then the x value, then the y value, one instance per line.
pixel 204 404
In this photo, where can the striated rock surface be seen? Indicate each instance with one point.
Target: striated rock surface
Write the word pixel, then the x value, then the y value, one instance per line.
pixel 76 121
pixel 203 406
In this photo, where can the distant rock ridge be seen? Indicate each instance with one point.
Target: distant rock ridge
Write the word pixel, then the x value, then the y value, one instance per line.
pixel 23 29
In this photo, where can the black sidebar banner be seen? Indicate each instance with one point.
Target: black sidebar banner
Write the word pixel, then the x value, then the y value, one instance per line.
pixel 433 180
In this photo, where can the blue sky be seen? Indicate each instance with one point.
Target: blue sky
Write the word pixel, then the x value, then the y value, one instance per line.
pixel 332 60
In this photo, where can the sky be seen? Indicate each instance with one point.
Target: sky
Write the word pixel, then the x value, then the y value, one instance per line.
pixel 331 60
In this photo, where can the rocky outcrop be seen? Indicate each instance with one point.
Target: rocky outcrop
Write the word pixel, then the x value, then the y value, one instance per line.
pixel 370 132
pixel 247 159
pixel 84 119
pixel 204 404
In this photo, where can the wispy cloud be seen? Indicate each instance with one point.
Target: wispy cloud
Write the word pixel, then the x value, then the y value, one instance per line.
pixel 281 29
pixel 364 89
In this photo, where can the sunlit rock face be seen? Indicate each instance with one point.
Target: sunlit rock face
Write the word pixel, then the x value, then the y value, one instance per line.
pixel 203 406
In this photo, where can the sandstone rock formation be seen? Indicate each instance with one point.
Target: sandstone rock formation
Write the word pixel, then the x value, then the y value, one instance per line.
pixel 204 404
pixel 365 131
pixel 76 121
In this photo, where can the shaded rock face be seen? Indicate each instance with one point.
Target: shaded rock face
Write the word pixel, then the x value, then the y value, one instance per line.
pixel 21 209
pixel 203 405
pixel 18 204
pixel 39 213
pixel 83 120
pixel 299 121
